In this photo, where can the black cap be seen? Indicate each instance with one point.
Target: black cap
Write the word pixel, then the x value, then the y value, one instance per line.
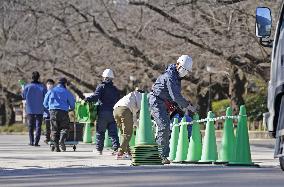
pixel 50 81
pixel 62 80
pixel 35 76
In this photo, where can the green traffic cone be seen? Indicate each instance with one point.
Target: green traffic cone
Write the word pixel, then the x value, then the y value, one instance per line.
pixel 182 146
pixel 132 140
pixel 145 131
pixel 107 142
pixel 195 145
pixel 136 136
pixel 209 149
pixel 243 155
pixel 174 139
pixel 87 133
pixel 228 145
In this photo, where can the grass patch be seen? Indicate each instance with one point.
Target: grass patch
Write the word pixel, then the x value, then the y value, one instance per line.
pixel 18 127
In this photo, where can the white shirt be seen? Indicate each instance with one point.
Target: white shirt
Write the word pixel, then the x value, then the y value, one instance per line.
pixel 131 101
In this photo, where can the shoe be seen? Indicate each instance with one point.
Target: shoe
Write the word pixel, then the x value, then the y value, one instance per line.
pixel 100 152
pixel 119 155
pixel 114 152
pixel 52 148
pixel 31 144
pixel 165 161
pixel 57 149
pixel 63 147
pixel 46 141
pixel 37 145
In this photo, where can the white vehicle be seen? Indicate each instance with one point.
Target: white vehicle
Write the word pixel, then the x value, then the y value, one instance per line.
pixel 275 103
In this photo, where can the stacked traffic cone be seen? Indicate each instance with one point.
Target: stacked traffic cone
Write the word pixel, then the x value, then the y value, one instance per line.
pixel 209 149
pixel 107 142
pixel 242 154
pixel 146 150
pixel 182 146
pixel 87 133
pixel 174 140
pixel 228 145
pixel 195 145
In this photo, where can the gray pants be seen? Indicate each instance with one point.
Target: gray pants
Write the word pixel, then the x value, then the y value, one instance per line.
pixel 162 118
pixel 59 121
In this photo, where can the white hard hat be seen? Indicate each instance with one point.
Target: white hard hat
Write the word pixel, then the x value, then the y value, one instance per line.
pixel 108 73
pixel 186 62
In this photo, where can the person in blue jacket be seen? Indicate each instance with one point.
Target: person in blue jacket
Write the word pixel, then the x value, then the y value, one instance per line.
pixel 49 85
pixel 167 89
pixel 59 101
pixel 34 93
pixel 107 95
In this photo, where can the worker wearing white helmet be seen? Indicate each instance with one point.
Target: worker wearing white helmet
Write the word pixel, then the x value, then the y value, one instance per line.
pixel 167 91
pixel 107 95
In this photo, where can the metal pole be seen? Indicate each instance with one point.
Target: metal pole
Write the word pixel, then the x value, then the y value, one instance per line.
pixel 209 99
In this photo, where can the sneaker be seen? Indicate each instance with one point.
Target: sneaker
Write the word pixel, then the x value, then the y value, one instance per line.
pixel 165 161
pixel 63 147
pixel 46 141
pixel 57 149
pixel 37 145
pixel 114 152
pixel 100 152
pixel 121 156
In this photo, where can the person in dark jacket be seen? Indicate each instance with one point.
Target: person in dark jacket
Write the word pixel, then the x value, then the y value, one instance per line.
pixel 46 116
pixel 107 95
pixel 59 101
pixel 167 89
pixel 34 93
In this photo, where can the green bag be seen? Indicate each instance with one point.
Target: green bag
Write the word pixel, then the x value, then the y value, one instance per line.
pixel 86 112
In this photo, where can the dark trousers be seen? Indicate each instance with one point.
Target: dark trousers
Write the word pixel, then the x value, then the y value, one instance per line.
pixel 48 128
pixel 59 121
pixel 34 124
pixel 106 121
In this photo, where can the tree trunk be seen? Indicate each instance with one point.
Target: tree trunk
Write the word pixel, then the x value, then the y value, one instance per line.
pixel 237 87
pixel 9 112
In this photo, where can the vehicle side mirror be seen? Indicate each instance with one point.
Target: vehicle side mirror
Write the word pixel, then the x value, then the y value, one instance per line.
pixel 263 22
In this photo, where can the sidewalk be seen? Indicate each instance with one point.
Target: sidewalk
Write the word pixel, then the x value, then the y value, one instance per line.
pixel 16 154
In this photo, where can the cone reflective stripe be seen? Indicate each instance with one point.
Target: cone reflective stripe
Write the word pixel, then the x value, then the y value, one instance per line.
pixel 145 131
pixel 228 145
pixel 107 142
pixel 209 149
pixel 243 155
pixel 195 145
pixel 182 146
pixel 174 140
pixel 87 133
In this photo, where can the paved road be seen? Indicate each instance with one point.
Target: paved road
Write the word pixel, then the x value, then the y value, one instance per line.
pixel 22 165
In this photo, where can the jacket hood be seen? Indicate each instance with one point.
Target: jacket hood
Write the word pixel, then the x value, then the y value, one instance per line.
pixel 171 69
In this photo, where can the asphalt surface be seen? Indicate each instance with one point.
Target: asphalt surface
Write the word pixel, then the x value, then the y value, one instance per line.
pixel 23 165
